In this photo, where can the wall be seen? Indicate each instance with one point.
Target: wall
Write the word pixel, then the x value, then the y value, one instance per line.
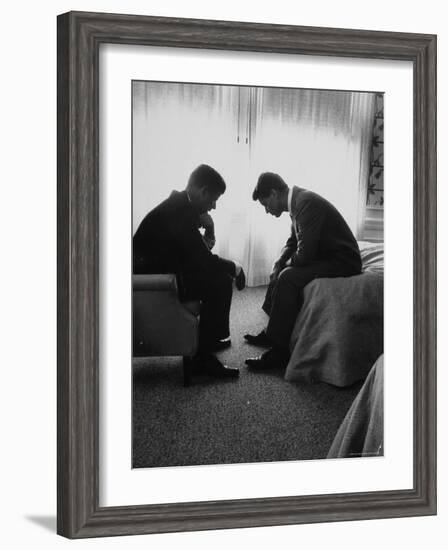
pixel 28 296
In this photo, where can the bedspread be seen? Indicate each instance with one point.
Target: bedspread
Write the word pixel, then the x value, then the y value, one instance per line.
pixel 338 334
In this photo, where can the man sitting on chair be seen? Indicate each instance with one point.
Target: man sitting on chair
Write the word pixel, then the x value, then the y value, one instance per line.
pixel 168 240
pixel 321 245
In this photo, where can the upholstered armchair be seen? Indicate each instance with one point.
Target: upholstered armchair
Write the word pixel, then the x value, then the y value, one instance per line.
pixel 162 325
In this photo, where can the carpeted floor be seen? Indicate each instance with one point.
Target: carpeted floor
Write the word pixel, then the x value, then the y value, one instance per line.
pixel 258 417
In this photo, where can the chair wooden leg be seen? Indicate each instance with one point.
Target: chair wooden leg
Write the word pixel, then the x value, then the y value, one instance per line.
pixel 187 371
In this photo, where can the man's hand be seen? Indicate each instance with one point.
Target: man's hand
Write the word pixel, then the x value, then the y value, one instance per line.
pixel 209 240
pixel 206 221
pixel 275 272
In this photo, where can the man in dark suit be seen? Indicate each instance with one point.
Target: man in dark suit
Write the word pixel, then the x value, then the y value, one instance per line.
pixel 168 240
pixel 320 245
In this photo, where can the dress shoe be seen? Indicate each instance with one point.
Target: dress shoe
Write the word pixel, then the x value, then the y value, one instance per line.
pixel 240 280
pixel 212 366
pixel 218 370
pixel 258 340
pixel 271 359
pixel 219 345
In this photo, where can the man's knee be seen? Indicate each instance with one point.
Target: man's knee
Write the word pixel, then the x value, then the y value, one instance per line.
pixel 220 282
pixel 288 275
pixel 225 279
pixel 293 277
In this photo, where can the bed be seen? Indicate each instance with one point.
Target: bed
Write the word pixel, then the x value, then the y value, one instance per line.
pixel 361 431
pixel 338 334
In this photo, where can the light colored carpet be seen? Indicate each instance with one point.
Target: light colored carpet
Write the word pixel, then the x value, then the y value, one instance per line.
pixel 258 417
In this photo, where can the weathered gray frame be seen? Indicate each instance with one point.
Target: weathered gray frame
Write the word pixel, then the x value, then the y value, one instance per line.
pixel 79 37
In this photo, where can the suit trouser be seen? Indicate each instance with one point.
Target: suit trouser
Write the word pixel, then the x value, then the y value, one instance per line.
pixel 216 298
pixel 284 296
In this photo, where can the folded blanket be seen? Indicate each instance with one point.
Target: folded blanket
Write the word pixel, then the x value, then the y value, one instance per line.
pixel 372 256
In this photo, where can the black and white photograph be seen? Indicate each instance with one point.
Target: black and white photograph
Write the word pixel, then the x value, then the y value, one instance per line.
pixel 257 274
pixel 223 230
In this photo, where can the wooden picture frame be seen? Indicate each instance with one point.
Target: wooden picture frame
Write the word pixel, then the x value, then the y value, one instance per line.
pixel 79 37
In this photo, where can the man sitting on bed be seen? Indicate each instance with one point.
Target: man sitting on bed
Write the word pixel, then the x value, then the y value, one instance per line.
pixel 168 240
pixel 321 245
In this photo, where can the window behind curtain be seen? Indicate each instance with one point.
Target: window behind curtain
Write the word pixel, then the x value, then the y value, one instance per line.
pixel 316 139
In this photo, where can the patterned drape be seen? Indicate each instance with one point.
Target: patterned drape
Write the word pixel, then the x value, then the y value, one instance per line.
pixel 375 193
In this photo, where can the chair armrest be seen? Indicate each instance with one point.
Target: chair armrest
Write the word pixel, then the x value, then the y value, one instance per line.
pixel 162 326
pixel 159 281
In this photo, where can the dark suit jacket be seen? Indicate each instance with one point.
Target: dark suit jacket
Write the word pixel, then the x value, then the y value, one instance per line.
pixel 319 233
pixel 168 240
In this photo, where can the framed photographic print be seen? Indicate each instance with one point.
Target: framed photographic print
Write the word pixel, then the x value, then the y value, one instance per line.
pixel 228 196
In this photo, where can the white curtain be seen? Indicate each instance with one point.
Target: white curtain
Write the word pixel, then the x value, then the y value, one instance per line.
pixel 319 140
pixel 176 127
